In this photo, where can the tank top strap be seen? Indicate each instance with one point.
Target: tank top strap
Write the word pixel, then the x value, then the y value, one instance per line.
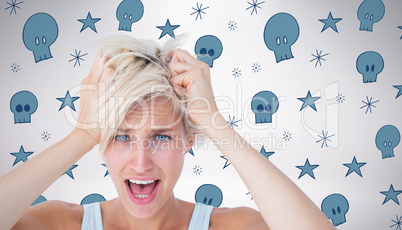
pixel 201 216
pixel 92 219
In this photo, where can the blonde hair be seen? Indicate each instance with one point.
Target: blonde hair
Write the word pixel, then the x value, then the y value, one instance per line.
pixel 141 73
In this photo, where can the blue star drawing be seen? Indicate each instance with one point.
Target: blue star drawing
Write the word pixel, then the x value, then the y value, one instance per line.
pixel 15 67
pixel 232 25
pixel 39 200
pixel 197 170
pixel 250 195
pixel 167 29
pixel 67 100
pixel 391 194
pixel 89 22
pixel 199 11
pixel 13 5
pixel 369 104
pixel 307 169
pixel 191 152
pixel 340 98
pixel 318 57
pixel 236 72
pixel 400 27
pixel 232 122
pixel 69 171
pixel 398 223
pixel 265 153
pixel 45 136
pixel 255 67
pixel 77 57
pixel 107 171
pixel 354 167
pixel 330 22
pixel 21 155
pixel 308 101
pixel 227 163
pixel 254 6
pixel 287 136
pixel 399 87
pixel 324 138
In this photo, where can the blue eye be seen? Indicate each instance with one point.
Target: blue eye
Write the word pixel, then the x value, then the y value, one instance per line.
pixel 122 138
pixel 161 137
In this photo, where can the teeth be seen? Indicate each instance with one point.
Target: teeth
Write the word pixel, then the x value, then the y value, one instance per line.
pixel 142 196
pixel 141 181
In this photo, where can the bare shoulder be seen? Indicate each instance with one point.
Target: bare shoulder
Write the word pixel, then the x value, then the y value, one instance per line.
pixel 53 214
pixel 237 218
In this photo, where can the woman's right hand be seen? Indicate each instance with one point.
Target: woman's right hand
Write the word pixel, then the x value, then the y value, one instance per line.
pixel 92 88
pixel 57 159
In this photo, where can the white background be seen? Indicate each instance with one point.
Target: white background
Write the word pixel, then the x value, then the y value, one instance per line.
pixel 354 130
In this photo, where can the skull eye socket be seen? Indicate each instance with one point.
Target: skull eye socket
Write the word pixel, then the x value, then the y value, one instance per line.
pixel 211 52
pixel 37 41
pixel 285 40
pixel 366 16
pixel 278 41
pixel 389 143
pixel 333 211
pixel 260 108
pixel 203 51
pixel 27 108
pixel 339 209
pixel 268 108
pixel 125 16
pixel 372 68
pixel 44 40
pixel 367 68
pixel 18 108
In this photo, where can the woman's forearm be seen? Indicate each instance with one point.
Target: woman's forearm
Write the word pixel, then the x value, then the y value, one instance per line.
pixel 282 204
pixel 20 187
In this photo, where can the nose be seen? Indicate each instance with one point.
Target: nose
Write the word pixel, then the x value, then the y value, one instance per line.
pixel 141 159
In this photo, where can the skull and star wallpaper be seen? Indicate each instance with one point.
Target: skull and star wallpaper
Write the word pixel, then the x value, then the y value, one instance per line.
pixel 314 86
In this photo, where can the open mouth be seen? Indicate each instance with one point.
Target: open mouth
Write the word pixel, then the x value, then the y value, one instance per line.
pixel 142 191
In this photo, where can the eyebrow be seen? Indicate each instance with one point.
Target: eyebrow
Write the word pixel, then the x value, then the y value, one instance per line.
pixel 157 130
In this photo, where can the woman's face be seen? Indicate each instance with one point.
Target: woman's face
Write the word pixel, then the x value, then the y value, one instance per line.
pixel 146 157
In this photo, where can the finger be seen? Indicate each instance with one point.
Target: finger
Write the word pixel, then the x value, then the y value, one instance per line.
pixel 105 80
pixel 91 78
pixel 185 80
pixel 96 70
pixel 178 82
pixel 179 91
pixel 175 56
pixel 107 75
pixel 177 68
pixel 183 56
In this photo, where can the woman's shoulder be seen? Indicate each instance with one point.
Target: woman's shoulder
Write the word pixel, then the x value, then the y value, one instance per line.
pixel 237 218
pixel 54 214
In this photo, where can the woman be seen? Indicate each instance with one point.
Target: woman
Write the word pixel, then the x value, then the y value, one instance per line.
pixel 143 132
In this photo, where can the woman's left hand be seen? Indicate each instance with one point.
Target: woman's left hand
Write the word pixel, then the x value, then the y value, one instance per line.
pixel 191 78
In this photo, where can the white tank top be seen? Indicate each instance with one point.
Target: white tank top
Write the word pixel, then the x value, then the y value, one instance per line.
pixel 92 219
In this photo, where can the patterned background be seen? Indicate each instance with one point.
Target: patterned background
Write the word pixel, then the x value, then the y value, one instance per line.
pixel 323 135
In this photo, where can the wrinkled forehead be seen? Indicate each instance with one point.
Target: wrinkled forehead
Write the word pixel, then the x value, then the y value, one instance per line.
pixel 155 113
